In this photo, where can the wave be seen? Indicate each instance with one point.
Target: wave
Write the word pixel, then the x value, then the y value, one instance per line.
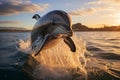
pixel 110 56
pixel 59 63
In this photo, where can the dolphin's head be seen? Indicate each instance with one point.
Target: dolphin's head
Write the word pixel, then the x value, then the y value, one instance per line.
pixel 51 27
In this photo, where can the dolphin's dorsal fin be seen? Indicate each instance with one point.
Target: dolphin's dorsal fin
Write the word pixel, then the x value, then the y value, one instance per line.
pixel 36 16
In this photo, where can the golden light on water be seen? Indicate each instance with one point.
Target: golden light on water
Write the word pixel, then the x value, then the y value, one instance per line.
pixel 59 62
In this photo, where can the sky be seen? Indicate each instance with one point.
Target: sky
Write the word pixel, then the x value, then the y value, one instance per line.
pixel 93 13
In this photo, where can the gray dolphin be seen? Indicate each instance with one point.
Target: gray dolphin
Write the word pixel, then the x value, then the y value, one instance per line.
pixel 49 29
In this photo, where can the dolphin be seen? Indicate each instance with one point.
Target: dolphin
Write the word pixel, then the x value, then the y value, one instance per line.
pixel 50 29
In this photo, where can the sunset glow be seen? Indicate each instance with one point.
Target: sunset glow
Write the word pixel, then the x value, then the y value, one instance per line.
pixel 95 13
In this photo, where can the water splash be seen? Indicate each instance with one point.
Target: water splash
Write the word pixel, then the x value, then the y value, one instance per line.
pixel 25 46
pixel 59 63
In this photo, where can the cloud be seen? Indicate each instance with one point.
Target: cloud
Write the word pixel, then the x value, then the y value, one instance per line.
pixel 108 2
pixel 10 22
pixel 82 11
pixel 10 7
pixel 98 6
pixel 88 11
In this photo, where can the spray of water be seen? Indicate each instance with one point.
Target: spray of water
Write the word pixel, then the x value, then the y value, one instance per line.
pixel 59 63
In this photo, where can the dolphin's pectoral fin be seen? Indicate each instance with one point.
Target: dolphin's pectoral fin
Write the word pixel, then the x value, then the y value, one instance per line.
pixel 70 43
pixel 40 44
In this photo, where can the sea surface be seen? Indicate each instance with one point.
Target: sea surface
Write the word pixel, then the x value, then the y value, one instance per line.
pixel 102 42
pixel 102 53
pixel 104 48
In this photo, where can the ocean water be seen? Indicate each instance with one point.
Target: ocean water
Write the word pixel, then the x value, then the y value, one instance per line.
pixel 97 56
pixel 104 48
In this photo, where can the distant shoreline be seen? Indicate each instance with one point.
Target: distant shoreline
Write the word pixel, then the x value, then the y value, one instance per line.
pixel 93 31
pixel 79 27
pixel 15 30
pixel 73 30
